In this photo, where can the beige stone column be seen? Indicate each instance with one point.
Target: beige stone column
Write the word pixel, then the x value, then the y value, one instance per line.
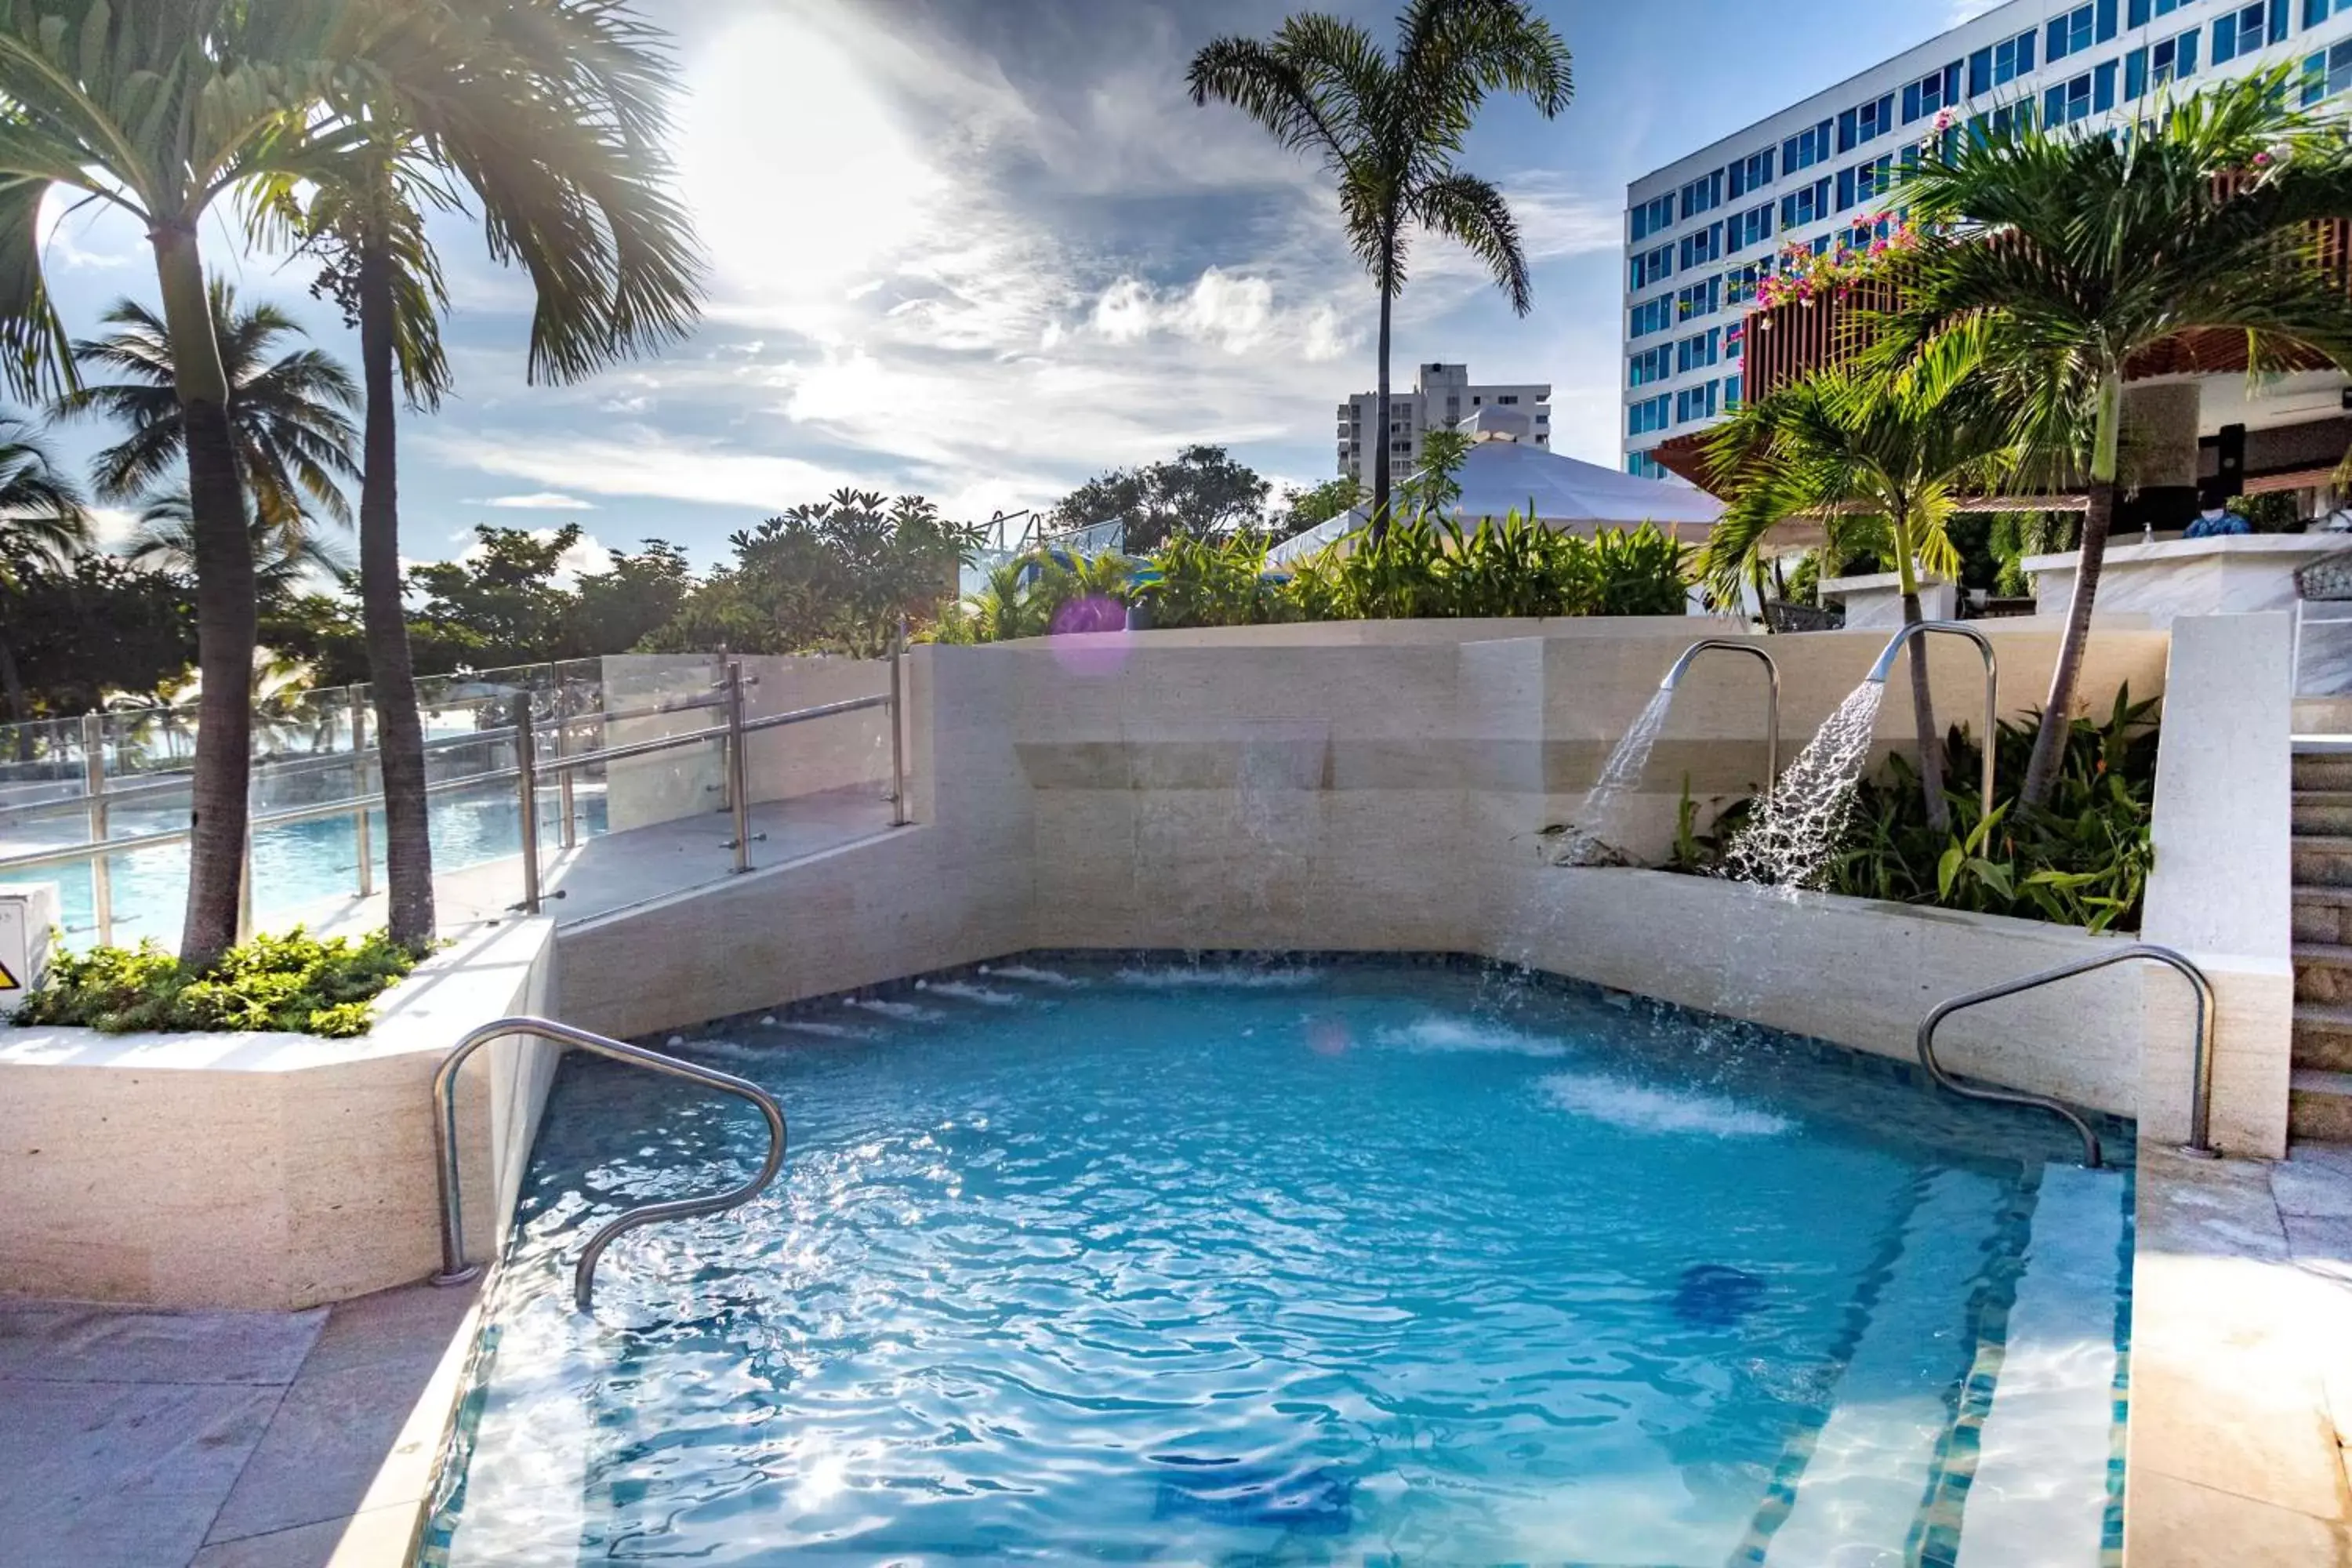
pixel 2159 456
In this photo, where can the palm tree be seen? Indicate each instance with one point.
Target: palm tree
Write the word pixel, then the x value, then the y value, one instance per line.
pixel 165 538
pixel 42 517
pixel 1388 127
pixel 1842 443
pixel 157 110
pixel 2055 260
pixel 286 413
pixel 549 113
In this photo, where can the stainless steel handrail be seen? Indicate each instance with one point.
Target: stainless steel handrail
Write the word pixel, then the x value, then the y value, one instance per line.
pixel 1992 737
pixel 1771 694
pixel 2201 1095
pixel 455 1271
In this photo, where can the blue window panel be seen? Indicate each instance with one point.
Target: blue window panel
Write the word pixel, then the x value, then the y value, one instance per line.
pixel 1730 393
pixel 1702 195
pixel 1805 206
pixel 2144 11
pixel 2067 101
pixel 1694 403
pixel 2242 32
pixel 1649 365
pixel 2013 58
pixel 1938 89
pixel 1734 342
pixel 2166 61
pixel 1650 267
pixel 2070 34
pixel 1652 215
pixel 2106 20
pixel 1697 351
pixel 2278 21
pixel 2103 86
pixel 1866 122
pixel 1650 414
pixel 2314 12
pixel 1739 283
pixel 2135 75
pixel 1805 148
pixel 1696 300
pixel 1751 227
pixel 1752 173
pixel 2326 75
pixel 1980 71
pixel 1702 245
pixel 1650 316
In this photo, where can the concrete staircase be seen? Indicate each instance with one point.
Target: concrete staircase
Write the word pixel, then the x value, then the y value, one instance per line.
pixel 2320 1093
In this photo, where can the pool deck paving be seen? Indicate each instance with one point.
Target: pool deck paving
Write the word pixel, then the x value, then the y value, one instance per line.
pixel 132 1439
pixel 140 1439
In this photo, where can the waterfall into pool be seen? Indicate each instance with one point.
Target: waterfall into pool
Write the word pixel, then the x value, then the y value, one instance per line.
pixel 1797 828
pixel 1585 843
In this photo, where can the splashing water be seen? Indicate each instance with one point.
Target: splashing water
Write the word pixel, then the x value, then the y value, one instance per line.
pixel 1582 843
pixel 1797 827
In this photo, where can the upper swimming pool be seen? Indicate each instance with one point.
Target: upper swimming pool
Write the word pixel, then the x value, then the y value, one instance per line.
pixel 1381 1261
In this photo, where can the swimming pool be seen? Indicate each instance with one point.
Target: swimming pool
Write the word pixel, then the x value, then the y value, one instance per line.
pixel 1375 1261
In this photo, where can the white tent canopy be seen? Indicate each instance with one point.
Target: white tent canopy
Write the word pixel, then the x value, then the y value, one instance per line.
pixel 1498 478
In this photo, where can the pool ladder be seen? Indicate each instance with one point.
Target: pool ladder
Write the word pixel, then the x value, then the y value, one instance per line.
pixel 455 1271
pixel 2200 1093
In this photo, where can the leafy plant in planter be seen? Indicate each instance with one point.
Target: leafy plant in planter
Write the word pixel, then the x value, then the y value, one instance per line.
pixel 2083 860
pixel 294 984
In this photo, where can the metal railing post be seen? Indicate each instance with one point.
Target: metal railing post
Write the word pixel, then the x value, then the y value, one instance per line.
pixel 362 826
pixel 566 834
pixel 899 729
pixel 739 791
pixel 93 773
pixel 527 795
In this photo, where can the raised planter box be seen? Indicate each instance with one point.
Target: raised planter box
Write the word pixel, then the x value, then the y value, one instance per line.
pixel 268 1170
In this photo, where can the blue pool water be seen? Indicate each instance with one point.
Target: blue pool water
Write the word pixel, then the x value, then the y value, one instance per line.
pixel 1381 1262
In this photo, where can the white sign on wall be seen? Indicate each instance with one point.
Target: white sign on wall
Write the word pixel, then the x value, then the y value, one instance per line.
pixel 26 913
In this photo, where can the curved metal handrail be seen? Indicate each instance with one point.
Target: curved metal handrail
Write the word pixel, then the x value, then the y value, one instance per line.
pixel 1992 738
pixel 455 1271
pixel 1771 694
pixel 2200 1091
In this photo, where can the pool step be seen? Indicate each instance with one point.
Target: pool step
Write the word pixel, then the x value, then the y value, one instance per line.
pixel 2038 1491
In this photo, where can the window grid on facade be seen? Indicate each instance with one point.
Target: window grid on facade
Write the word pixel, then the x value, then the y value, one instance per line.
pixel 1805 148
pixel 1938 91
pixel 2146 11
pixel 1650 414
pixel 2070 34
pixel 1642 466
pixel 1694 403
pixel 1866 179
pixel 1653 316
pixel 1652 217
pixel 1997 65
pixel 2314 12
pixel 1752 173
pixel 1702 245
pixel 2327 74
pixel 1702 195
pixel 1651 267
pixel 2160 64
pixel 2248 28
pixel 1866 122
pixel 1649 365
pixel 1805 205
pixel 1697 299
pixel 1753 226
pixel 1697 351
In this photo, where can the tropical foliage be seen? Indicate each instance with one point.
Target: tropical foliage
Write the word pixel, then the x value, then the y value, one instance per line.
pixel 1202 490
pixel 1388 127
pixel 2084 860
pixel 2049 260
pixel 296 982
pixel 835 574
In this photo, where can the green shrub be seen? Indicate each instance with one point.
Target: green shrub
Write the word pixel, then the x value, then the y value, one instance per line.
pixel 2083 860
pixel 294 984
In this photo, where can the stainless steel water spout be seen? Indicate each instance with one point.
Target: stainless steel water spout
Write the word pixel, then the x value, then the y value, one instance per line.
pixel 1771 695
pixel 1992 737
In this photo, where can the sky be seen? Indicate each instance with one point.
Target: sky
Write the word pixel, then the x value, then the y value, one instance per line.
pixel 982 249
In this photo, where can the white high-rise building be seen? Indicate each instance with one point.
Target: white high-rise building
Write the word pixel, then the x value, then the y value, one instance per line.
pixel 1701 230
pixel 1442 398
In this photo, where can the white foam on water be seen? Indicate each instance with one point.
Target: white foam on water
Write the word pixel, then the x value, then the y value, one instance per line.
pixel 729 1050
pixel 1029 976
pixel 824 1030
pixel 1640 1109
pixel 905 1012
pixel 964 991
pixel 1176 977
pixel 1434 1033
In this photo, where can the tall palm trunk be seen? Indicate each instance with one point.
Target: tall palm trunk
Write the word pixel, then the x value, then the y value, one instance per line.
pixel 1381 455
pixel 400 734
pixel 226 615
pixel 2058 708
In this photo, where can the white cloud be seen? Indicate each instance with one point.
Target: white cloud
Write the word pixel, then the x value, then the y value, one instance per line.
pixel 541 501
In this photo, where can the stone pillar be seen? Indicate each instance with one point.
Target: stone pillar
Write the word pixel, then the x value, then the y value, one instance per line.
pixel 2159 456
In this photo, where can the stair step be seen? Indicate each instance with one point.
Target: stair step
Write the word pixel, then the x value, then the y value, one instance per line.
pixel 2323 955
pixel 2321 745
pixel 2319 1103
pixel 2331 895
pixel 2323 1036
pixel 2329 796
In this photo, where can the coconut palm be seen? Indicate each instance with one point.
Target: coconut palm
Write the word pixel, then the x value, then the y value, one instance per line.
pixel 159 109
pixel 2055 259
pixel 282 558
pixel 1390 127
pixel 1842 445
pixel 549 113
pixel 286 413
pixel 42 517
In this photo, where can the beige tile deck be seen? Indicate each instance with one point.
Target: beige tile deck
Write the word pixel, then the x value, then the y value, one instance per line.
pixel 2241 1363
pixel 225 1439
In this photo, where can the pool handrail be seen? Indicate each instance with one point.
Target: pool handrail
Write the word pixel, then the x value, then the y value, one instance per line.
pixel 1682 664
pixel 455 1271
pixel 1990 741
pixel 2200 1094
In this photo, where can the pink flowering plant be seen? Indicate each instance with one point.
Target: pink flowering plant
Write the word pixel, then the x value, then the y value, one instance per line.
pixel 1803 276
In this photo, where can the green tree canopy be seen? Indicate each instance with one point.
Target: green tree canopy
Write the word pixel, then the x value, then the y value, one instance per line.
pixel 1201 492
